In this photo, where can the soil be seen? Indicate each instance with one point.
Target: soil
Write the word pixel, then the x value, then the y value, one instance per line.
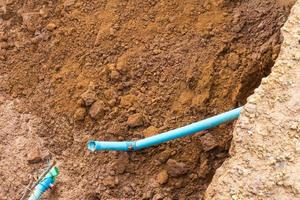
pixel 264 158
pixel 77 70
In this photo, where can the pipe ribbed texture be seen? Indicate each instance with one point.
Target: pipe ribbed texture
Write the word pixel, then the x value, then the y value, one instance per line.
pixel 44 184
pixel 167 136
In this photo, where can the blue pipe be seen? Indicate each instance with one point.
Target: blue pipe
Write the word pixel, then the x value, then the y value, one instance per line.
pixel 44 184
pixel 167 136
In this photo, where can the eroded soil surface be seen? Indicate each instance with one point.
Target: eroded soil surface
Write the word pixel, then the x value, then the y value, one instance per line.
pixel 119 70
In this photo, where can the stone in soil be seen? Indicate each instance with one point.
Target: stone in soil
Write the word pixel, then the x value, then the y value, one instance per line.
pixel 34 156
pixel 97 110
pixel 208 142
pixel 162 177
pixel 51 26
pixel 135 120
pixel 79 114
pixel 150 131
pixel 89 97
pixel 175 168
pixel 165 155
pixel 110 182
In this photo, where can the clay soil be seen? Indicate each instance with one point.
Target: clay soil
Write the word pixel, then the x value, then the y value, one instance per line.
pixel 76 70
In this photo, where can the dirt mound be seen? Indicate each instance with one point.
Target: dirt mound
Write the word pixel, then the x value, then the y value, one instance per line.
pixel 121 70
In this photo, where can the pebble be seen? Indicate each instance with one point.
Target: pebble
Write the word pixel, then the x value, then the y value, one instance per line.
pixel 89 97
pixel 110 182
pixel 175 168
pixel 97 109
pixel 150 131
pixel 51 26
pixel 79 114
pixel 34 156
pixel 162 177
pixel 135 120
pixel 164 156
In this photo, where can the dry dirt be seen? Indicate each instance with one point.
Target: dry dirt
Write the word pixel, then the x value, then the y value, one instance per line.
pixel 76 70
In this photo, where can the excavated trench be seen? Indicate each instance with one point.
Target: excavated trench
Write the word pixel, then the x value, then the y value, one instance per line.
pixel 123 70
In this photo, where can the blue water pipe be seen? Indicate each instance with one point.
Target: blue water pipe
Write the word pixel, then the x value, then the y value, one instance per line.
pixel 46 183
pixel 167 136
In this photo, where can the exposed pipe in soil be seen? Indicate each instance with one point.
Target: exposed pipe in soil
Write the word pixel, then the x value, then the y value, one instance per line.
pixel 44 184
pixel 167 136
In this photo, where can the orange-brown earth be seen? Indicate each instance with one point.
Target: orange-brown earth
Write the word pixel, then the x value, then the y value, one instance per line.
pixel 122 70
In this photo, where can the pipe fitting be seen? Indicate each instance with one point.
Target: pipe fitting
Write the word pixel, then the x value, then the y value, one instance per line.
pixel 44 184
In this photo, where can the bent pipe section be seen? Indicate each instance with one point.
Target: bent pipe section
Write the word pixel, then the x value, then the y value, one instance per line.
pixel 167 136
pixel 45 184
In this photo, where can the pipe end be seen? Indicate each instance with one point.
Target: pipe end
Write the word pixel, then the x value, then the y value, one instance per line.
pixel 91 145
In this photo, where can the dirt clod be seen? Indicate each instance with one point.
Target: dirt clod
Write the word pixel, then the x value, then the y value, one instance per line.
pixel 51 26
pixel 175 168
pixel 162 177
pixel 34 156
pixel 89 97
pixel 97 109
pixel 135 120
pixel 150 131
pixel 79 114
pixel 208 142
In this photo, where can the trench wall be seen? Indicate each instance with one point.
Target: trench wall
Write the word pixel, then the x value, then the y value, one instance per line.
pixel 265 161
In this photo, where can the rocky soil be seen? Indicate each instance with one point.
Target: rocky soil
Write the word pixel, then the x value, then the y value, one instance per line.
pixel 265 155
pixel 76 70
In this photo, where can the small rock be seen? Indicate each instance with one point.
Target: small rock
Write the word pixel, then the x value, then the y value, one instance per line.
pixel 44 12
pixel 150 131
pixel 110 182
pixel 97 109
pixel 135 120
pixel 34 156
pixel 175 168
pixel 122 64
pixel 79 114
pixel 162 177
pixel 208 142
pixel 164 156
pixel 89 97
pixel 51 26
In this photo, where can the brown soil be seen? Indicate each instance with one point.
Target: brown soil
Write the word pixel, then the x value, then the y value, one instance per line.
pixel 122 70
